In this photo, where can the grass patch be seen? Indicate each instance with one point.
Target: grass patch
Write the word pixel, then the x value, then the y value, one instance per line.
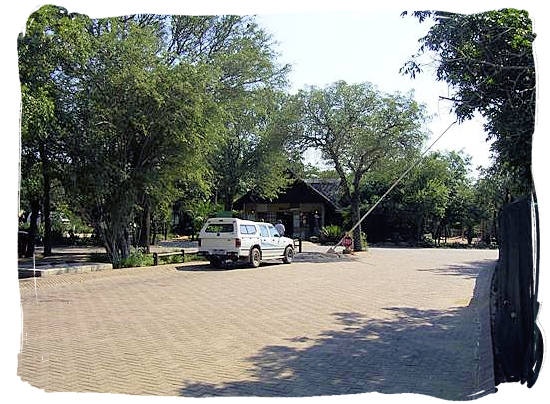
pixel 179 259
pixel 138 258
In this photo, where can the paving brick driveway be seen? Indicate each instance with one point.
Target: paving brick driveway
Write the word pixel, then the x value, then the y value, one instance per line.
pixel 394 320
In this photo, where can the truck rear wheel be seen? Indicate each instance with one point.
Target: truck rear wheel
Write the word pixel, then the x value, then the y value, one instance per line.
pixel 255 258
pixel 215 262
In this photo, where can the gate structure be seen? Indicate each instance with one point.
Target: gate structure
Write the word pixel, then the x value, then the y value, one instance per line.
pixel 517 340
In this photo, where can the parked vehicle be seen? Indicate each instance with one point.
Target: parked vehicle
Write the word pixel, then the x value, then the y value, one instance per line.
pixel 223 239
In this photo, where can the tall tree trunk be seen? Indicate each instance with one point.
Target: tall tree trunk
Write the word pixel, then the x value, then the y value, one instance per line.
pixel 419 228
pixel 46 201
pixel 125 243
pixel 228 202
pixel 33 229
pixel 116 241
pixel 494 231
pixel 470 234
pixel 145 226
pixel 356 216
pixel 154 231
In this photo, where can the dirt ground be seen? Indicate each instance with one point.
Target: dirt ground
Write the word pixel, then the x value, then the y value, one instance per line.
pixel 387 320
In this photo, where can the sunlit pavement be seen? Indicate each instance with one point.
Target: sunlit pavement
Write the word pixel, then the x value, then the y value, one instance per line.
pixel 389 320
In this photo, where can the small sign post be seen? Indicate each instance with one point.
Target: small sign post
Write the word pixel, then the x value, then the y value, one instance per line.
pixel 347 242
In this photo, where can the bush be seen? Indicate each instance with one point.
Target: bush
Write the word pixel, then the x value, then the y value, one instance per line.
pixel 178 259
pixel 331 233
pixel 484 245
pixel 426 242
pixel 172 259
pixel 137 258
pixel 364 240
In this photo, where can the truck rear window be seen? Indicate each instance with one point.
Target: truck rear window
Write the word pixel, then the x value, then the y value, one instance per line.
pixel 219 228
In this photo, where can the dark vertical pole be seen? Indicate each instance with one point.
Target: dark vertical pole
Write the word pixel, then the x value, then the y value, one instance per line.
pixel 145 225
pixel 31 237
pixel 46 200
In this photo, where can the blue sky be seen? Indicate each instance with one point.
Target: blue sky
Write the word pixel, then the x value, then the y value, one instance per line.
pixel 323 47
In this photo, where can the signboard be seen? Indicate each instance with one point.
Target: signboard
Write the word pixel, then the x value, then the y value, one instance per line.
pixel 347 242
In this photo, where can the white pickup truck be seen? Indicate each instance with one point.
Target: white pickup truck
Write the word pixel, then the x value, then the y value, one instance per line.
pixel 222 239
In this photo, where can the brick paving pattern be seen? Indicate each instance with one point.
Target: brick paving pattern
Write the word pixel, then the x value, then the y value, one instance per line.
pixel 392 321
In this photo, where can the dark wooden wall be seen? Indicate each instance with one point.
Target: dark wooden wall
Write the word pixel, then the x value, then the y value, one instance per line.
pixel 517 341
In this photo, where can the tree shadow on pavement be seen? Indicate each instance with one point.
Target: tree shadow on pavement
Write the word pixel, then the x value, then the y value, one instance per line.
pixel 320 257
pixel 206 267
pixel 469 270
pixel 432 352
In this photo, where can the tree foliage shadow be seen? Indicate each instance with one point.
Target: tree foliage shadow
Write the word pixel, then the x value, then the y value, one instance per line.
pixel 206 267
pixel 431 352
pixel 469 270
pixel 321 257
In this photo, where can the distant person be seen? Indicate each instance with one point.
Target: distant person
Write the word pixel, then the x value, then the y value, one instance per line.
pixel 280 228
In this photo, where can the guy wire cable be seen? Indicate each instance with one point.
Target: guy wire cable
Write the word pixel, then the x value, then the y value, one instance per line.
pixel 414 164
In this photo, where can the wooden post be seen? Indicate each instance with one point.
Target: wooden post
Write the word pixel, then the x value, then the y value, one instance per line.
pixel 299 240
pixel 155 259
pixel 182 255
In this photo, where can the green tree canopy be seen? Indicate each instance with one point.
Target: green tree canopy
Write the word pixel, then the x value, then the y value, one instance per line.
pixel 487 60
pixel 252 156
pixel 358 128
pixel 437 194
pixel 135 108
pixel 142 122
pixel 51 49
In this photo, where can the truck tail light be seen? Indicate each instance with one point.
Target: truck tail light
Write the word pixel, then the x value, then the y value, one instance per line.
pixel 199 242
pixel 238 243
